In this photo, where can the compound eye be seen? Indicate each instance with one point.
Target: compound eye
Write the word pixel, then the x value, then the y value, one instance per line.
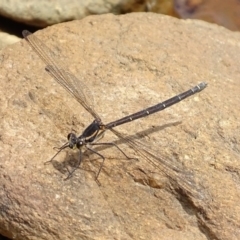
pixel 69 136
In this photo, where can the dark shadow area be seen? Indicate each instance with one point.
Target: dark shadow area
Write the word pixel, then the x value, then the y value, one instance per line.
pixel 15 28
pixel 4 238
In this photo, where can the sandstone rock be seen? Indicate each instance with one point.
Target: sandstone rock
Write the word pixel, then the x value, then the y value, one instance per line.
pixel 129 62
pixel 45 13
pixel 7 39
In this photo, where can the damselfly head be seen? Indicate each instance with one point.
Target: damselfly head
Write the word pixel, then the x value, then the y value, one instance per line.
pixel 72 139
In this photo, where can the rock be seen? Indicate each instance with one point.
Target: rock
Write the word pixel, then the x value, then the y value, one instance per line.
pixel 45 13
pixel 128 62
pixel 7 39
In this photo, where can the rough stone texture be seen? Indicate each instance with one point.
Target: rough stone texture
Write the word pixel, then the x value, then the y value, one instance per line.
pixel 44 13
pixel 129 62
pixel 7 39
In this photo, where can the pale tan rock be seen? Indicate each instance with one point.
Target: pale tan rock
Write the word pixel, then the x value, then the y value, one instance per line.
pixel 7 39
pixel 129 62
pixel 44 13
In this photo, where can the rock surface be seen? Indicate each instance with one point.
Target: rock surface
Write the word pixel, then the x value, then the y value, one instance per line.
pixel 44 13
pixel 7 39
pixel 129 62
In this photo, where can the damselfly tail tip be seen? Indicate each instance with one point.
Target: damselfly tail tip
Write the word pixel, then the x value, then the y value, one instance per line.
pixel 202 85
